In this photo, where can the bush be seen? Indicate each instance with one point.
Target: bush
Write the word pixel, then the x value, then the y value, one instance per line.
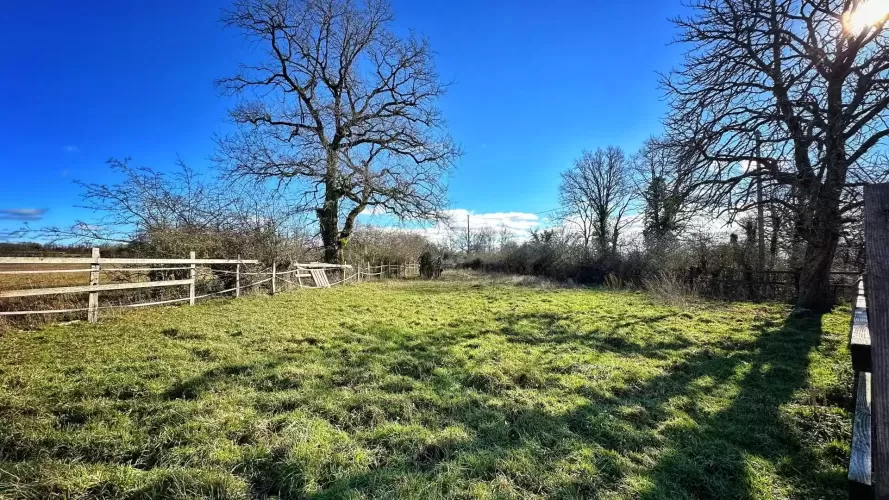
pixel 430 267
pixel 379 245
pixel 697 265
pixel 671 288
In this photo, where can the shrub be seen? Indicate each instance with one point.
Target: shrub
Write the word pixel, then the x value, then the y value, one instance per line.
pixel 671 288
pixel 430 267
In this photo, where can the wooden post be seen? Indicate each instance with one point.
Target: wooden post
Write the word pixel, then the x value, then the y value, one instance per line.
pixel 274 275
pixel 238 277
pixel 298 273
pixel 876 237
pixel 93 305
pixel 193 274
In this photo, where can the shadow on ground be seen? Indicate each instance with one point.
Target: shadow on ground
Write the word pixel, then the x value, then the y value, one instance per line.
pixel 670 431
pixel 517 405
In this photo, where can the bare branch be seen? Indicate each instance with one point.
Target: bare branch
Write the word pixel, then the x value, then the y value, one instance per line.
pixel 342 107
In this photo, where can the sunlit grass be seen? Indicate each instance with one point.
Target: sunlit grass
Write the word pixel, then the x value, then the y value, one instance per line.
pixel 429 390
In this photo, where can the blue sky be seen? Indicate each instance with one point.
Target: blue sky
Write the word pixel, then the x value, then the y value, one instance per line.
pixel 535 83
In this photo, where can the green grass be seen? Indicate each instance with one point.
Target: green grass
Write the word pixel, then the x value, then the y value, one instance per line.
pixel 429 390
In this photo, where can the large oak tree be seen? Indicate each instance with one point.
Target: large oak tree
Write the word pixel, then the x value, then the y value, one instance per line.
pixel 812 85
pixel 339 106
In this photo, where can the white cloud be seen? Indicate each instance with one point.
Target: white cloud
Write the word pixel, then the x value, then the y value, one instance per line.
pixel 71 149
pixel 373 211
pixel 519 221
pixel 519 224
pixel 717 226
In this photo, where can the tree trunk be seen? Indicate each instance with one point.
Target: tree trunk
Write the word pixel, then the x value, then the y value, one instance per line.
pixel 328 219
pixel 814 277
pixel 826 224
pixel 821 246
pixel 773 242
pixel 822 239
pixel 348 227
pixel 329 213
pixel 602 234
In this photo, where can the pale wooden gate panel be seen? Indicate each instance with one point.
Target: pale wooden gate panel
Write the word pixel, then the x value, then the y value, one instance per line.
pixel 320 278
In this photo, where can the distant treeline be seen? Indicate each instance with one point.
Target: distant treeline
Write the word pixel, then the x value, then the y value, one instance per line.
pixel 35 249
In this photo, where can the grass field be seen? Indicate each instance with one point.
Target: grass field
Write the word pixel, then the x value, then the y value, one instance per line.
pixel 458 389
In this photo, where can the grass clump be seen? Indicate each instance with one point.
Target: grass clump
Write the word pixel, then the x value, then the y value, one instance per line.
pixel 460 389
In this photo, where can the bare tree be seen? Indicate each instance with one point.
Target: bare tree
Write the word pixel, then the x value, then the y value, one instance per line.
pixel 576 207
pixel 595 195
pixel 343 108
pixel 385 244
pixel 505 236
pixel 171 213
pixel 459 233
pixel 483 239
pixel 814 85
pixel 660 184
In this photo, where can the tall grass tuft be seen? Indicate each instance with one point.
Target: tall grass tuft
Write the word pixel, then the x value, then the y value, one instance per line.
pixel 670 288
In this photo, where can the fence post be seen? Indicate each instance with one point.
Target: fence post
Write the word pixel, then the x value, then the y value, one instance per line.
pixel 274 275
pixel 876 236
pixel 93 305
pixel 238 277
pixel 193 274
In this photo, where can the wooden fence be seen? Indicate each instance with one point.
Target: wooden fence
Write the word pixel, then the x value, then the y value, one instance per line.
pixel 388 270
pixel 294 275
pixel 740 284
pixel 869 347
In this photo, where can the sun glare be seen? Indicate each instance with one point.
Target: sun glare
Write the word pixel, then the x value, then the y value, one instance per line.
pixel 867 14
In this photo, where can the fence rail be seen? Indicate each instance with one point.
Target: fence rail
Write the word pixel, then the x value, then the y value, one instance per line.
pixel 860 466
pixel 741 284
pixel 117 260
pixel 869 349
pixel 293 276
pixel 92 288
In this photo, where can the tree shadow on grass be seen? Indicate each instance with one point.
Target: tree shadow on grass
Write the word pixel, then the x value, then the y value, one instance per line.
pixel 674 429
pixel 713 454
pixel 707 451
pixel 191 388
pixel 550 330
